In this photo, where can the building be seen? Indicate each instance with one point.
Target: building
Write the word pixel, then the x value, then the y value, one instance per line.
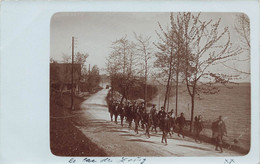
pixel 61 76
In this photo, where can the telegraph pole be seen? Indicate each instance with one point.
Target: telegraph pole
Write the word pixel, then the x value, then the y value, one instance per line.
pixel 72 76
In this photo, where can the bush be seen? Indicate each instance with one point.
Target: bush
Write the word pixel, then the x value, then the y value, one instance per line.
pixel 132 89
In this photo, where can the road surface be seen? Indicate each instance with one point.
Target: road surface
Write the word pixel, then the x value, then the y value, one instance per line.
pixel 94 122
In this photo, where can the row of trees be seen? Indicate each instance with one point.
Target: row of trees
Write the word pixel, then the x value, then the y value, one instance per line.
pixel 91 80
pixel 186 52
pixel 129 66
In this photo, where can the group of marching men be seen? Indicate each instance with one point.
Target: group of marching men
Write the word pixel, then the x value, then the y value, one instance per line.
pixel 135 112
pixel 166 121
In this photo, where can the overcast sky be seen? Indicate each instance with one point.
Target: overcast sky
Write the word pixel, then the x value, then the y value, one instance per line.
pixel 94 32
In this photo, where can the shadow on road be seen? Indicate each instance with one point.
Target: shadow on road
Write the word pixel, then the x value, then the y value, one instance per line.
pixel 130 135
pixel 195 147
pixel 95 105
pixel 119 131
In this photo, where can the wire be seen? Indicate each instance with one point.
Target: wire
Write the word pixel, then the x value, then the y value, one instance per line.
pixel 64 116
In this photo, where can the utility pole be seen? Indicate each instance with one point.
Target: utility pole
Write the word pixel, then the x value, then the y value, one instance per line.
pixel 72 76
pixel 102 78
pixel 159 101
pixel 145 89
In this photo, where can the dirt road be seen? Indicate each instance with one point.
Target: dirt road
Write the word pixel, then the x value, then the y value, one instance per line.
pixel 94 122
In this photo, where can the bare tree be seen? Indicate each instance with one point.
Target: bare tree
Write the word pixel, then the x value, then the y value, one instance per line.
pixel 112 68
pixel 144 50
pixel 52 60
pixel 168 57
pixel 123 61
pixel 81 58
pixel 177 30
pixel 205 45
pixel 66 58
pixel 242 27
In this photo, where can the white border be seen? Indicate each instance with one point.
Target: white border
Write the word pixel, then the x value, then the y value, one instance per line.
pixel 25 49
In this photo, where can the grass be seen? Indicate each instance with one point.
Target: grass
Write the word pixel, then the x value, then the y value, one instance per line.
pixel 65 138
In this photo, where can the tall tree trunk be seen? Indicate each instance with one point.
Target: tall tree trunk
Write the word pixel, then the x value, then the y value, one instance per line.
pixel 192 111
pixel 176 94
pixel 123 97
pixel 168 102
pixel 169 94
pixel 169 79
pixel 112 93
pixel 177 78
pixel 145 97
pixel 167 90
pixel 145 89
pixel 193 103
pixel 112 87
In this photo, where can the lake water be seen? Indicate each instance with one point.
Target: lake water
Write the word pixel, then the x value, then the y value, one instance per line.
pixel 233 104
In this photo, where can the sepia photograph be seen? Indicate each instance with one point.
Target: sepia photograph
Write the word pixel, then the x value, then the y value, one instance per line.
pixel 153 84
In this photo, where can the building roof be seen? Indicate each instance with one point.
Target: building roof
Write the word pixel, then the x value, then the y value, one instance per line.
pixel 61 73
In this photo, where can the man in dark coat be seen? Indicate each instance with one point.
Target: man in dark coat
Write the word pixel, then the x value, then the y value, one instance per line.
pixel 164 128
pixel 214 128
pixel 198 126
pixel 220 132
pixel 181 121
pixel 122 113
pixel 147 123
pixel 116 111
pixel 142 107
pixel 160 113
pixel 137 117
pixel 111 109
pixel 153 110
pixel 131 115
